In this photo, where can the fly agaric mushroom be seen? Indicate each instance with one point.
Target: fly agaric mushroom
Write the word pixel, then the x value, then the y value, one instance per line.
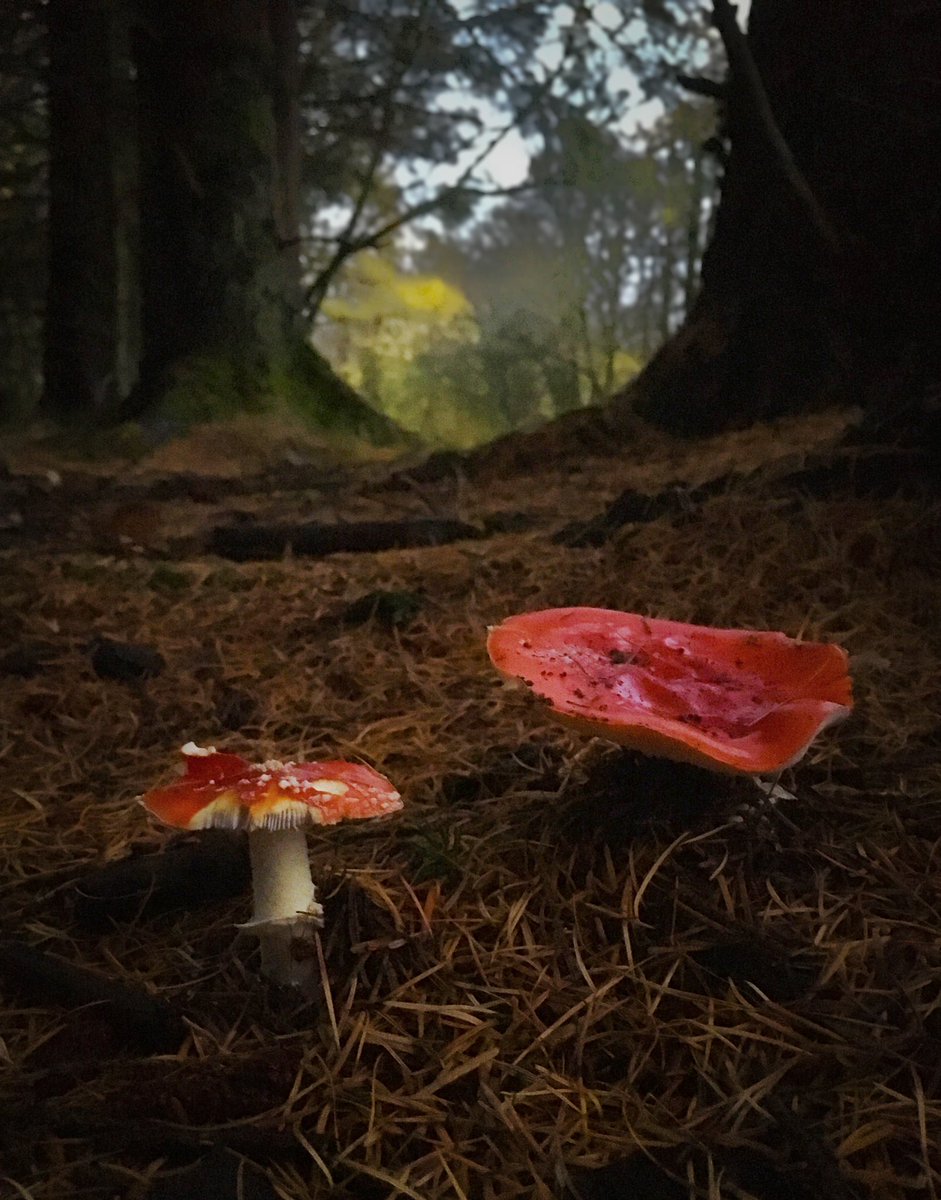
pixel 275 802
pixel 735 700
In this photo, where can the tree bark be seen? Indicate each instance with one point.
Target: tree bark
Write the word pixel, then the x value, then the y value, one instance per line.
pixel 92 306
pixel 215 281
pixel 219 135
pixel 787 317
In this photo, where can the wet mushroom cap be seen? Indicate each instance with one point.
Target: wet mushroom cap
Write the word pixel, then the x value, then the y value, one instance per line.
pixel 737 700
pixel 227 791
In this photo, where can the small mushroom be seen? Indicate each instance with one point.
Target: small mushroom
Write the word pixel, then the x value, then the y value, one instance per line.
pixel 736 700
pixel 275 802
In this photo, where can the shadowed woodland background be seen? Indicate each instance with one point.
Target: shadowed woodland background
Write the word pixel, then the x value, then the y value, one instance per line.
pixel 334 333
pixel 190 193
pixel 217 182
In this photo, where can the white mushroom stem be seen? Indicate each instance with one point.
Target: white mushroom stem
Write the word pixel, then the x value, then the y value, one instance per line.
pixel 285 903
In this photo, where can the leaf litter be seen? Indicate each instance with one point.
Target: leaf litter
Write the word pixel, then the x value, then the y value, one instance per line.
pixel 559 968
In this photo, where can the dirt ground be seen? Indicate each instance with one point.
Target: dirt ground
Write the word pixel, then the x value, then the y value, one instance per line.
pixel 561 971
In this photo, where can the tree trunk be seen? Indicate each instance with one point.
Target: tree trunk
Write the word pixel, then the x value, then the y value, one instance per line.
pixel 786 319
pixel 694 231
pixel 644 303
pixel 92 306
pixel 219 122
pixel 215 281
pixel 667 284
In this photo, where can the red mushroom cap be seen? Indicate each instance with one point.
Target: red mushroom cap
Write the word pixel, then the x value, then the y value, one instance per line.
pixel 736 700
pixel 227 791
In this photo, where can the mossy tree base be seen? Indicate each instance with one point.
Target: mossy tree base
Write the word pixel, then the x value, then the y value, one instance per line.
pixel 215 385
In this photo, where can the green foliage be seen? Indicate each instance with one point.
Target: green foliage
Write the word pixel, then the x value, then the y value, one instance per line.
pixel 377 293
pixel 310 388
pixel 221 386
pixel 436 855
pixel 383 326
pixel 393 90
pixel 455 376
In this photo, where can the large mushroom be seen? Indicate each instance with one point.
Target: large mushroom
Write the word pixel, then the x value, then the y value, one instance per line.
pixel 275 802
pixel 736 700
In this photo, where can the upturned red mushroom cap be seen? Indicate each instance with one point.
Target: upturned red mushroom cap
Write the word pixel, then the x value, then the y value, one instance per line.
pixel 227 791
pixel 739 700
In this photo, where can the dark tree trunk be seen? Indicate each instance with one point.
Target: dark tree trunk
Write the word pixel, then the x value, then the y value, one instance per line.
pixel 92 305
pixel 217 285
pixel 285 45
pixel 174 273
pixel 220 146
pixel 788 317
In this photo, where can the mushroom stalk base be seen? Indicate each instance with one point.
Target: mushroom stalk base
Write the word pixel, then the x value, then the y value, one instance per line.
pixel 285 904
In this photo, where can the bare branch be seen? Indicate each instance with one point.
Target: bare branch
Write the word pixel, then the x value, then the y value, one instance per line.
pixel 374 239
pixel 348 245
pixel 321 284
pixel 700 85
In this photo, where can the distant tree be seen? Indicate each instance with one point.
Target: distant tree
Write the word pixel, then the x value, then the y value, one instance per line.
pixel 582 273
pixel 394 335
pixel 417 84
pixel 674 186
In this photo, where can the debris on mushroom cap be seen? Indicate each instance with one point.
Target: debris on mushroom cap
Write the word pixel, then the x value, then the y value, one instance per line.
pixel 226 791
pixel 206 764
pixel 736 700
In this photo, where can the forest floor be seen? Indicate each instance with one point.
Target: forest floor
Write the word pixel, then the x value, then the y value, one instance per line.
pixel 561 971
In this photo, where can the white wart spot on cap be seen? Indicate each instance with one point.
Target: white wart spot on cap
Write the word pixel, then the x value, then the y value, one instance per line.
pixel 330 787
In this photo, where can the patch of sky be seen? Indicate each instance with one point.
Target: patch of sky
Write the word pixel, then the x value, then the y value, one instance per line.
pixel 498 152
pixel 506 164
